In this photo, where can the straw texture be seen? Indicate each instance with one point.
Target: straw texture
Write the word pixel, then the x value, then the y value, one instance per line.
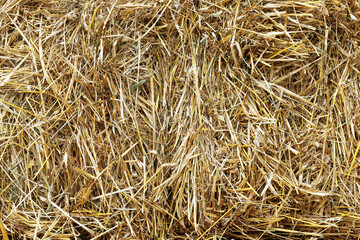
pixel 179 119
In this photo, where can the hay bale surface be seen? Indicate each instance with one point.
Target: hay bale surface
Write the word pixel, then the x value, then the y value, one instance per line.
pixel 179 119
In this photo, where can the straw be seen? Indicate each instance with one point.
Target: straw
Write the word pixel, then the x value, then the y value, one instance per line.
pixel 175 119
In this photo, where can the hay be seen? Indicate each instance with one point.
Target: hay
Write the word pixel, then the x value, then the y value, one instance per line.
pixel 179 119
